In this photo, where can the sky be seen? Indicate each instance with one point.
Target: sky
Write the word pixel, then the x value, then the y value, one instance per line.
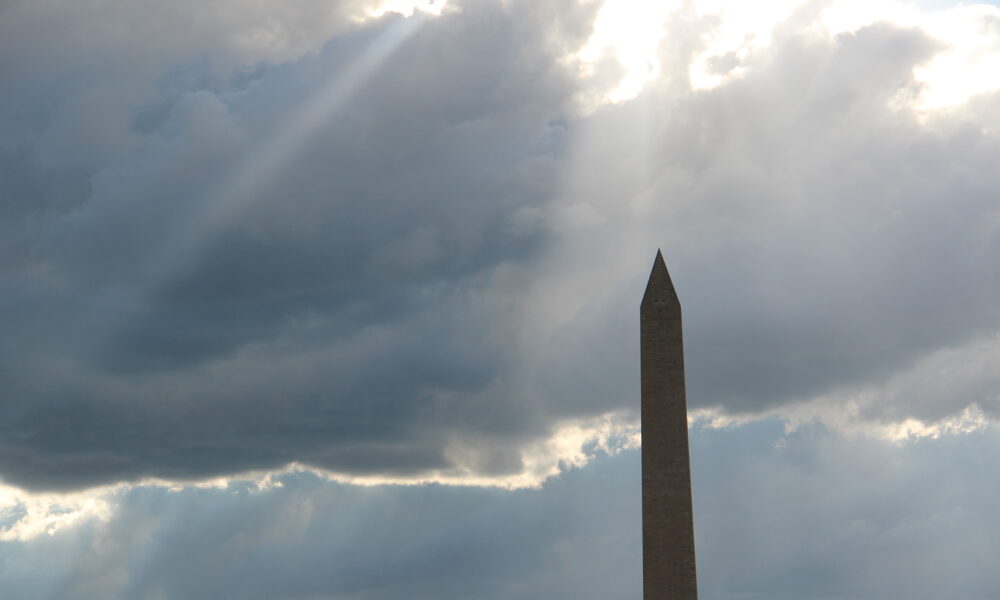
pixel 339 299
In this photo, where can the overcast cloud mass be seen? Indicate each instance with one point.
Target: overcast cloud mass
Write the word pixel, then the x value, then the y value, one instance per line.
pixel 258 260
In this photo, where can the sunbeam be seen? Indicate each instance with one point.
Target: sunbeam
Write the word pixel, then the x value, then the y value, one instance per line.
pixel 233 194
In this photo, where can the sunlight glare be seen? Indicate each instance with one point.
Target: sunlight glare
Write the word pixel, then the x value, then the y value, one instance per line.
pixel 630 32
pixel 965 65
pixel 971 62
pixel 408 7
pixel 743 26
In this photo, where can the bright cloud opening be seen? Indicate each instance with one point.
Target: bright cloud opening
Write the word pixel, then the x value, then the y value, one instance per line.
pixel 408 7
pixel 629 31
pixel 971 62
pixel 24 515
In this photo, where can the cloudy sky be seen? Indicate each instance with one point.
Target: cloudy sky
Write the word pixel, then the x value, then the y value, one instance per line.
pixel 338 299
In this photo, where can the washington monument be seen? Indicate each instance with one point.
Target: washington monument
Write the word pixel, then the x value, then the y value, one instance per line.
pixel 668 571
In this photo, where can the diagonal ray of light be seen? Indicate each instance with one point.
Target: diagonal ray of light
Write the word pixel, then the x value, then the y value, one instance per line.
pixel 233 194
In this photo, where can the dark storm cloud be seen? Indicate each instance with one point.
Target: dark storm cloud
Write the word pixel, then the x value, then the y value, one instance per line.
pixel 446 265
pixel 337 315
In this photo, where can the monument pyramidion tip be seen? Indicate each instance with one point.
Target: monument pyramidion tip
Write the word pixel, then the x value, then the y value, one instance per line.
pixel 660 289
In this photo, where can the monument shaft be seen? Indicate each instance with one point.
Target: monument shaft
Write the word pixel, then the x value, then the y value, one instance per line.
pixel 668 565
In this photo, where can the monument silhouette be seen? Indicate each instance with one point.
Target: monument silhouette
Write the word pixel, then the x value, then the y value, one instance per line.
pixel 668 568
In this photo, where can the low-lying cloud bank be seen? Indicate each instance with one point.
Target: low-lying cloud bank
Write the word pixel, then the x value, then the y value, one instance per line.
pixel 411 249
pixel 807 514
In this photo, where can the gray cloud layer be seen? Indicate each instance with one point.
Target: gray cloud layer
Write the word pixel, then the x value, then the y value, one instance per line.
pixel 808 516
pixel 822 235
pixel 180 300
pixel 336 315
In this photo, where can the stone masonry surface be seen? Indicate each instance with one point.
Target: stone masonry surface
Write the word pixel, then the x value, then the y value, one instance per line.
pixel 668 571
